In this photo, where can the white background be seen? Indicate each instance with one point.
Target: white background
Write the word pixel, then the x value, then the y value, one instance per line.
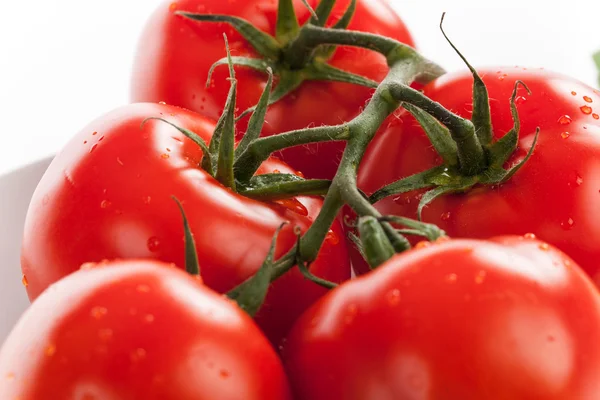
pixel 65 62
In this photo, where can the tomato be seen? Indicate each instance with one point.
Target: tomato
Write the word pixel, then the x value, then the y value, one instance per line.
pixel 137 329
pixel 554 195
pixel 108 195
pixel 175 54
pixel 509 318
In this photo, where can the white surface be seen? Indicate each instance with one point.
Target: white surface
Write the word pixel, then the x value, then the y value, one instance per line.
pixel 65 62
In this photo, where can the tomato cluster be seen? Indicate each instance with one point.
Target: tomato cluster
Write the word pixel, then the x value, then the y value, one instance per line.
pixel 249 295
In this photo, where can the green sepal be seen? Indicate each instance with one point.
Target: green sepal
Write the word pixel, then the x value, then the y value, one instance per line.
pixel 282 186
pixel 320 71
pixel 377 247
pixel 287 26
pixel 304 266
pixel 355 240
pixel 430 231
pixel 192 266
pixel 263 43
pixel 433 194
pixel 312 12
pixel 326 51
pixel 251 295
pixel 421 180
pixel 255 63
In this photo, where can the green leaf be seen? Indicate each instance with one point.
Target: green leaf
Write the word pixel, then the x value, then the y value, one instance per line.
pixel 377 247
pixel 255 63
pixel 257 119
pixel 481 100
pixel 438 135
pixel 251 295
pixel 421 180
pixel 287 23
pixel 263 43
pixel 190 135
pixel 192 266
pixel 282 186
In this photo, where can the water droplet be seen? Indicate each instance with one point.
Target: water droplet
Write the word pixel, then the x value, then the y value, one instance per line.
pixel 451 278
pixel 224 374
pixel 422 244
pixel 578 180
pixel 293 205
pixel 94 134
pixel 164 156
pixel 173 7
pixel 119 161
pixel 350 314
pixel 138 355
pixel 445 216
pixel 149 318
pixel 276 171
pixel 567 262
pixel 147 200
pixel 587 99
pixel 595 116
pixel 565 120
pixel 105 204
pixel 94 146
pixel 105 334
pixel 544 246
pixel 520 100
pixel 300 174
pixel 168 149
pixel 442 239
pixel 153 244
pixel 25 281
pixel 101 138
pixel 586 109
pixel 574 93
pixel 568 224
pixel 10 376
pixel 85 142
pixel 162 102
pixel 480 277
pixel 501 77
pixel 50 350
pixel 565 135
pixel 393 297
pixel 143 288
pixel 177 139
pixel 332 238
pixel 530 236
pixel 551 338
pixel 98 312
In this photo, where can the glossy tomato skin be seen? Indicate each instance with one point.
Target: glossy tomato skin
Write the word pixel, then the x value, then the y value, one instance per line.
pixel 554 196
pixel 107 195
pixel 137 329
pixel 510 318
pixel 175 54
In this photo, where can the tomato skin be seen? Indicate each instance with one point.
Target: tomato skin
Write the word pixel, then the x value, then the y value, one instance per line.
pixel 509 318
pixel 137 329
pixel 174 56
pixel 553 196
pixel 107 195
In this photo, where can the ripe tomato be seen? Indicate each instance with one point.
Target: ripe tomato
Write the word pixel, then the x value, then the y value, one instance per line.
pixel 175 54
pixel 554 195
pixel 137 329
pixel 510 318
pixel 107 195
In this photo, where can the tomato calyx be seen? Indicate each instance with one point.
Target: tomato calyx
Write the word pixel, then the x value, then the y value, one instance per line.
pixel 469 154
pixel 192 266
pixel 299 53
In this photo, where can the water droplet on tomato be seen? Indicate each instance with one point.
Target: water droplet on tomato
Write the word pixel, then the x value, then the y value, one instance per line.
pixel 120 162
pixel 443 239
pixel 587 99
pixel 98 312
pixel 393 297
pixel 574 93
pixel 94 146
pixel 147 200
pixel 101 138
pixel 153 244
pixel 162 103
pixel 565 135
pixel 586 109
pixel 24 281
pixel 224 374
pixel 276 171
pixel 164 156
pixel 451 278
pixel 105 204
pixel 332 238
pixel 177 139
pixel 143 288
pixel 480 277
pixel 422 244
pixel 530 236
pixel 567 262
pixel 149 318
pixel 565 120
pixel 105 334
pixel 137 355
pixel 50 350
pixel 350 314
pixel 520 100
pixel 568 224
pixel 550 338
pixel 578 180
pixel 544 246
pixel 10 376
pixel 595 116
pixel 85 142
pixel 293 205
pixel 445 216
pixel 173 7
pixel 94 134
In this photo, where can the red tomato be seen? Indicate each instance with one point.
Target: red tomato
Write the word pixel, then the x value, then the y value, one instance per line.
pixel 137 330
pixel 554 196
pixel 107 195
pixel 510 318
pixel 175 54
